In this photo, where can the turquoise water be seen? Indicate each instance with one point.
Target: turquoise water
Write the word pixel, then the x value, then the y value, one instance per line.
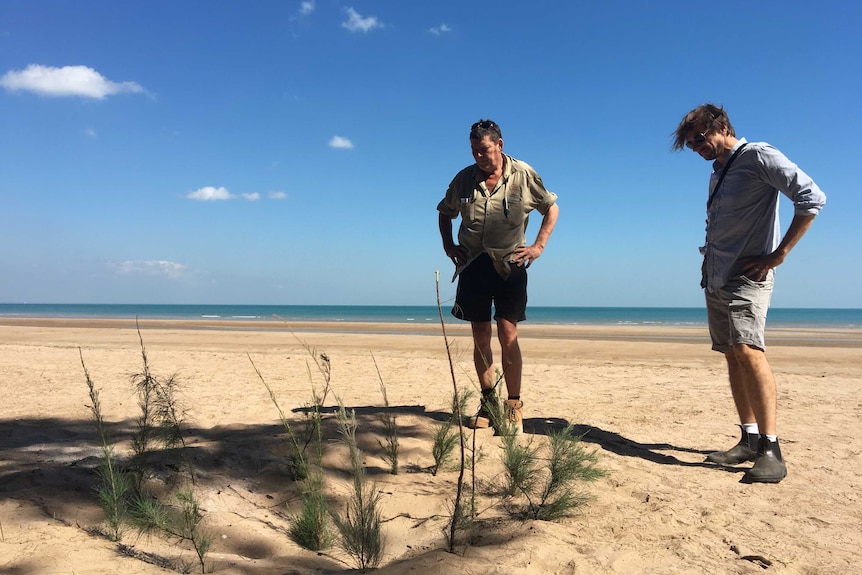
pixel 667 316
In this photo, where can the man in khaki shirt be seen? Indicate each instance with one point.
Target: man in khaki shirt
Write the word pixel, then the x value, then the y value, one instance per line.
pixel 494 198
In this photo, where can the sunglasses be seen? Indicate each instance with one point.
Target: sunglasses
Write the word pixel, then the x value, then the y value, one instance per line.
pixel 698 139
pixel 484 124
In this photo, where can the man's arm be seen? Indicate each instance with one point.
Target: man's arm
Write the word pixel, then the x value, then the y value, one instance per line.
pixel 756 268
pixel 455 252
pixel 526 255
pixel 808 199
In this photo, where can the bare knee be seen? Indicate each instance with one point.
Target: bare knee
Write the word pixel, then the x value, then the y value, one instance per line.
pixel 745 352
pixel 507 333
pixel 482 334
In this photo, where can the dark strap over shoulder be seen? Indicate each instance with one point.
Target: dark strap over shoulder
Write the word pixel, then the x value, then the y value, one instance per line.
pixel 723 173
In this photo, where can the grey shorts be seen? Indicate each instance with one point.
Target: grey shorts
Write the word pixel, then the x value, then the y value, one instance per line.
pixel 737 312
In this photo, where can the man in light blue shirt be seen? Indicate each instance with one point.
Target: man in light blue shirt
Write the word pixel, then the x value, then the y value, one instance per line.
pixel 743 247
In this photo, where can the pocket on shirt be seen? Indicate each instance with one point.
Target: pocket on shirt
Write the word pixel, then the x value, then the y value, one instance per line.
pixel 517 211
pixel 468 209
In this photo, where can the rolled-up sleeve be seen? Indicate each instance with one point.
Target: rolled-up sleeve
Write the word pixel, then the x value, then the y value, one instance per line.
pixel 446 209
pixel 791 181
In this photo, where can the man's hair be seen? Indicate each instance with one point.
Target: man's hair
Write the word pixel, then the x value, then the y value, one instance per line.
pixel 483 128
pixel 708 117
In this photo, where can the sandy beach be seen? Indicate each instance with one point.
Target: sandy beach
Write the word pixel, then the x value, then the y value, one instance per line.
pixel 651 402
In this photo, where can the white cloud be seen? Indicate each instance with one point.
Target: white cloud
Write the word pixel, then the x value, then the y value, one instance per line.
pixel 90 132
pixel 306 8
pixel 341 143
pixel 441 29
pixel 277 196
pixel 213 194
pixel 66 81
pixel 209 194
pixel 356 23
pixel 150 268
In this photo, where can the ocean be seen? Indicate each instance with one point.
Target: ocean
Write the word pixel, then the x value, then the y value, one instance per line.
pixel 655 316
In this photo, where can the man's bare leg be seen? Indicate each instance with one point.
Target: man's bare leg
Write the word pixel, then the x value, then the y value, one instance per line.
pixel 746 448
pixel 753 387
pixel 759 383
pixel 483 356
pixel 507 333
pixel 483 360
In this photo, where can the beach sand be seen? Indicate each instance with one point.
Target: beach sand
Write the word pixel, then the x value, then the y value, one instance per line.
pixel 651 403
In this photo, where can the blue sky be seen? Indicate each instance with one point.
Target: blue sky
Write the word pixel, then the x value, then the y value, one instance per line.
pixel 286 152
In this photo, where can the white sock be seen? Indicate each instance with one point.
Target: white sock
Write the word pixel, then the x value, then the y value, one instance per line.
pixel 750 428
pixel 772 438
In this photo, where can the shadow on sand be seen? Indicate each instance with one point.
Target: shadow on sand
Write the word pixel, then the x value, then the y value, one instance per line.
pixel 52 462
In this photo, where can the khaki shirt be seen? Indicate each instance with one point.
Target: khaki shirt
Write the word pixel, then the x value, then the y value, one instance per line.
pixel 495 221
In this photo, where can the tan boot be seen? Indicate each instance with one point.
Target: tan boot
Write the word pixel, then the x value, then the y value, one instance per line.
pixel 514 416
pixel 483 419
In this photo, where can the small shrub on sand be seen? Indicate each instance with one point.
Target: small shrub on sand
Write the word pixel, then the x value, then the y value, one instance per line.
pixel 520 465
pixel 159 427
pixel 389 444
pixel 159 423
pixel 113 488
pixel 445 440
pixel 360 526
pixel 310 528
pixel 182 521
pixel 548 484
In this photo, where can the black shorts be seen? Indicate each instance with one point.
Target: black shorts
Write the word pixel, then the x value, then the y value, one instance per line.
pixel 480 285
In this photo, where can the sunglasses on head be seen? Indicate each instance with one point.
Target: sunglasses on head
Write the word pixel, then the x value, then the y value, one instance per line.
pixel 484 124
pixel 698 139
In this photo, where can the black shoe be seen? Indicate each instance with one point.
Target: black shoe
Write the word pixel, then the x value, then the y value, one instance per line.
pixel 769 466
pixel 739 453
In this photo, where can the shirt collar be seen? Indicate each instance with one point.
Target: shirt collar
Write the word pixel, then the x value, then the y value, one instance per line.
pixel 479 175
pixel 716 166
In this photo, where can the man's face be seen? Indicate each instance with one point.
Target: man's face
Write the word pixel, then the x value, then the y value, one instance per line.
pixel 708 144
pixel 488 154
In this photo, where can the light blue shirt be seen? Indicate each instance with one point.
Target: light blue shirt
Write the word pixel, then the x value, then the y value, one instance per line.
pixel 742 219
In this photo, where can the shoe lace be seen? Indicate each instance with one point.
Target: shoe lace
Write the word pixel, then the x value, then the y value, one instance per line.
pixel 512 412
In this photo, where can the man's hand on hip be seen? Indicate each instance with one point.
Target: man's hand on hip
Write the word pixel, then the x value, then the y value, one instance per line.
pixel 458 254
pixel 525 256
